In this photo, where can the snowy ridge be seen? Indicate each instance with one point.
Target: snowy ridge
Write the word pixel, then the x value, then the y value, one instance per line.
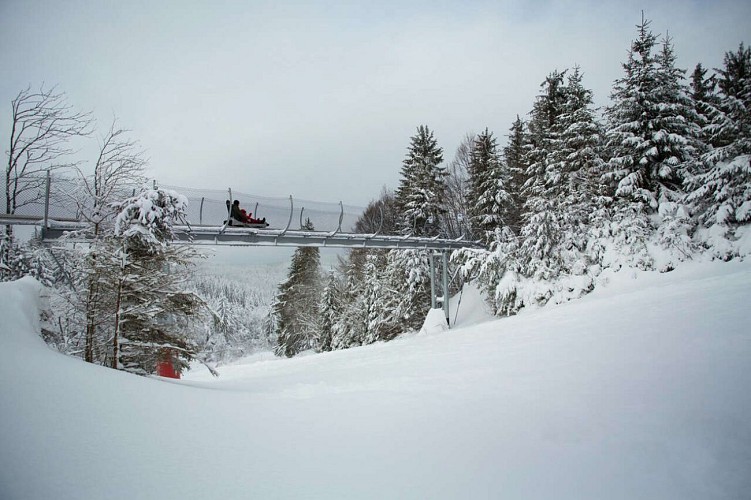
pixel 638 390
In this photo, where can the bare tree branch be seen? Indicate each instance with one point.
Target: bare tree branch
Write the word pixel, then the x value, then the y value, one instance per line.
pixel 42 125
pixel 119 168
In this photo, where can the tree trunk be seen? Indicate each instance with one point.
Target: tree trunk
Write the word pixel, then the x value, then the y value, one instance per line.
pixel 115 336
pixel 91 312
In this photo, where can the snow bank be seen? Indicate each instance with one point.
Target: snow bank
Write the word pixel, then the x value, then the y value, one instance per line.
pixel 19 310
pixel 466 308
pixel 638 390
pixel 469 308
pixel 435 322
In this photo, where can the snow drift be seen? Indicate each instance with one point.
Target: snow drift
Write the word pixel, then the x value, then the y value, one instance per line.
pixel 639 390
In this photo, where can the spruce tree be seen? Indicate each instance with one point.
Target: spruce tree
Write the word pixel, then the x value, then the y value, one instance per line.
pixel 551 255
pixel 731 124
pixel 703 88
pixel 489 199
pixel 680 142
pixel 652 125
pixel 735 74
pixel 298 302
pixel 421 188
pixel 153 305
pixel 704 95
pixel 541 229
pixel 543 135
pixel 348 330
pixel 375 303
pixel 29 259
pixel 406 298
pixel 363 315
pixel 515 158
pixel 582 198
pixel 330 310
pixel 721 194
pixel 578 165
pixel 634 106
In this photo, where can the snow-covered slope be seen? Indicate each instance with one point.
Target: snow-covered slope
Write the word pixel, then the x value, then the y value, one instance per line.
pixel 640 390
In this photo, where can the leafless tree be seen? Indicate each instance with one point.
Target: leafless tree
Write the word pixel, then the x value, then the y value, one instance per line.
pixel 43 123
pixel 455 219
pixel 119 169
pixel 379 216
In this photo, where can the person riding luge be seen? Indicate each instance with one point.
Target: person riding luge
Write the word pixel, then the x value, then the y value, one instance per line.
pixel 239 217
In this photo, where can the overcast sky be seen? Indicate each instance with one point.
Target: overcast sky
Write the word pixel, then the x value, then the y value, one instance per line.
pixel 319 99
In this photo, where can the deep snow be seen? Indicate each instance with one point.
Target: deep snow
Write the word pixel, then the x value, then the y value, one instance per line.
pixel 640 390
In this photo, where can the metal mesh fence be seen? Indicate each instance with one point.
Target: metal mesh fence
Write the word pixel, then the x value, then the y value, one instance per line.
pixel 30 197
pixel 205 206
pixel 208 207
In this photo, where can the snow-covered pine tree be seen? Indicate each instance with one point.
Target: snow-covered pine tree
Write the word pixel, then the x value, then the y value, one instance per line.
pixel 28 259
pixel 541 232
pixel 652 125
pixel 543 131
pixel 298 302
pixel 704 94
pixel 703 87
pixel 496 271
pixel 361 272
pixel 388 299
pixel 552 254
pixel 349 328
pixel 419 199
pixel 224 337
pixel 421 188
pixel 680 140
pixel 577 160
pixel 526 248
pixel 152 304
pixel 730 129
pixel 630 117
pixel 406 295
pixel 331 309
pixel 653 143
pixel 379 301
pixel 489 199
pixel 681 144
pixel 578 153
pixel 721 195
pixel 515 157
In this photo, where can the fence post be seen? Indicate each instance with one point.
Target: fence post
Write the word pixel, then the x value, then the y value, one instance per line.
pixel 200 213
pixel 46 203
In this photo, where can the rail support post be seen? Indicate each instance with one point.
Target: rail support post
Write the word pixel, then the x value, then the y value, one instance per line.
pixel 445 266
pixel 432 281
